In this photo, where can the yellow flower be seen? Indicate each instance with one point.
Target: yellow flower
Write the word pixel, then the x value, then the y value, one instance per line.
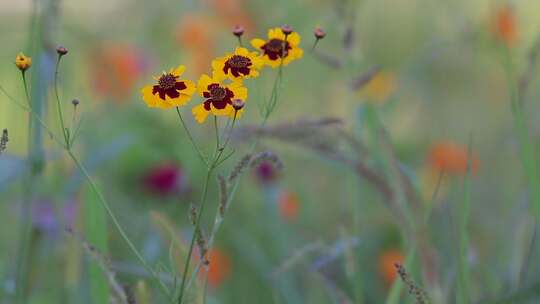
pixel 23 62
pixel 277 46
pixel 170 91
pixel 242 64
pixel 219 97
pixel 381 87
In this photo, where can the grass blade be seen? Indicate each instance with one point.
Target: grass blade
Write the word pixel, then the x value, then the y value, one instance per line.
pixel 95 224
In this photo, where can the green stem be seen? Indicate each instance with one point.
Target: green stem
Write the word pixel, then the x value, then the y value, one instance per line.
pixel 26 217
pixel 222 149
pixel 218 219
pixel 217 135
pixel 116 222
pixel 195 232
pixel 59 105
pixel 199 153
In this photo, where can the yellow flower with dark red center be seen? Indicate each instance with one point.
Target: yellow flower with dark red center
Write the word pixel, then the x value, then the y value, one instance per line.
pixel 169 91
pixel 219 97
pixel 242 64
pixel 23 62
pixel 279 47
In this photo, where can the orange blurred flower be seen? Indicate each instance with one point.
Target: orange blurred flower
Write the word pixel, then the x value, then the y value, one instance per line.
pixel 195 34
pixel 505 25
pixel 387 270
pixel 451 158
pixel 219 269
pixel 115 70
pixel 233 12
pixel 288 205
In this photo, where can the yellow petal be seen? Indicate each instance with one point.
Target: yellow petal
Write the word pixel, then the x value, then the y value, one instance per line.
pixel 218 77
pixel 200 113
pixel 203 83
pixel 218 64
pixel 276 33
pixel 240 92
pixel 293 39
pixel 241 51
pixel 179 70
pixel 257 43
pixel 222 112
pixel 272 63
pixel 256 60
pixel 148 97
pixel 190 87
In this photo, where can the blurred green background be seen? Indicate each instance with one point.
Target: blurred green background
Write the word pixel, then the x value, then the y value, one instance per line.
pixel 319 230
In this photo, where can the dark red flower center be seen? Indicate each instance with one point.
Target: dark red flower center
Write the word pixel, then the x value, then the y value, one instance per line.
pixel 167 81
pixel 218 93
pixel 276 48
pixel 237 65
pixel 168 86
pixel 238 61
pixel 217 96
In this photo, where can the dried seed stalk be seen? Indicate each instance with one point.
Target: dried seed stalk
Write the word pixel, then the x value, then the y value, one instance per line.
pixel 419 294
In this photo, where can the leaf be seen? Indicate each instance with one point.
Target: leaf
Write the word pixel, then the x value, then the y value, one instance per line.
pixel 95 225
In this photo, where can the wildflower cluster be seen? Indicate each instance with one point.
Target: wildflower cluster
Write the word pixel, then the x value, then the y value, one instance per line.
pixel 223 90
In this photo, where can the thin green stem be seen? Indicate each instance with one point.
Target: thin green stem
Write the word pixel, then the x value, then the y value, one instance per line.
pixel 216 128
pixel 23 258
pixel 65 131
pixel 222 149
pixel 115 221
pixel 463 280
pixel 30 111
pixel 217 155
pixel 218 219
pixel 199 153
pixel 195 232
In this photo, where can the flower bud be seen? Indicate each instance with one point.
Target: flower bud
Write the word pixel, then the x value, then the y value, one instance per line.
pixel 238 104
pixel 319 33
pixel 23 62
pixel 61 51
pixel 75 102
pixel 286 29
pixel 238 30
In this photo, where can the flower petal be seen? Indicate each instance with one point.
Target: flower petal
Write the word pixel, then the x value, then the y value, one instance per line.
pixel 190 88
pixel 257 43
pixel 240 92
pixel 293 39
pixel 200 113
pixel 241 51
pixel 203 83
pixel 179 70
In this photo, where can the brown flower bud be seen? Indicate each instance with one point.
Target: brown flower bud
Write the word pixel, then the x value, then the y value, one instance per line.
pixel 319 33
pixel 61 50
pixel 238 30
pixel 75 102
pixel 286 29
pixel 238 104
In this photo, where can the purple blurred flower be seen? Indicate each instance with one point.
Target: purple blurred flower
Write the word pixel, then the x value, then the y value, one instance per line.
pixel 47 219
pixel 44 217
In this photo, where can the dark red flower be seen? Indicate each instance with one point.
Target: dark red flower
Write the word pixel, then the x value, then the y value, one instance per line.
pixel 265 172
pixel 164 179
